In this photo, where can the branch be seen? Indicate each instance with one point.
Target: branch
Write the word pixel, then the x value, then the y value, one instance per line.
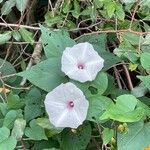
pixel 19 26
pixel 134 12
pixel 110 31
pixel 128 77
pixel 117 77
pixel 34 59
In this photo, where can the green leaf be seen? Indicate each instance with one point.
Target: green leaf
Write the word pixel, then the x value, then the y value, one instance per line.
pixel 16 35
pixel 7 142
pixel 18 129
pixel 145 60
pixel 126 102
pixel 146 40
pixel 51 20
pixel 33 104
pixel 127 52
pixel 66 6
pixel 35 132
pixel 26 35
pixel 7 69
pixel 10 118
pixel 101 82
pixel 76 11
pixel 132 67
pixel 107 135
pixel 5 37
pixel 98 3
pixel 97 105
pixel 124 110
pixel 145 80
pixel 109 60
pixel 77 140
pixel 136 139
pixel 14 102
pixel 120 12
pixel 45 123
pixel 46 145
pixel 139 91
pixel 98 41
pixel 145 107
pixel 4 133
pixel 133 38
pixel 21 5
pixel 110 8
pixel 87 11
pixel 46 75
pixel 3 108
pixel 54 42
pixel 7 7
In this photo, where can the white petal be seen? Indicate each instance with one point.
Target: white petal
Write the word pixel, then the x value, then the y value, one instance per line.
pixel 59 114
pixel 53 96
pixel 76 51
pixel 94 67
pixel 69 119
pixel 69 63
pixel 80 75
pixel 85 54
pixel 81 107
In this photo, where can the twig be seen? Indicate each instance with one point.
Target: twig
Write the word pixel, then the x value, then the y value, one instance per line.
pixel 20 43
pixel 17 88
pixel 57 5
pixel 134 12
pixel 110 31
pixel 128 77
pixel 3 85
pixel 7 76
pixel 2 99
pixel 7 54
pixel 96 144
pixel 50 3
pixel 20 26
pixel 117 77
pixel 23 51
pixel 34 59
pixel 30 11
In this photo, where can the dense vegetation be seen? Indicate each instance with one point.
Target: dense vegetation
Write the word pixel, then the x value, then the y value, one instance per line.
pixel 33 36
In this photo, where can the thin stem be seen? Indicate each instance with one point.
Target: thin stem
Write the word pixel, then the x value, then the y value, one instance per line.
pixel 19 26
pixel 117 77
pixel 134 12
pixel 110 31
pixel 128 77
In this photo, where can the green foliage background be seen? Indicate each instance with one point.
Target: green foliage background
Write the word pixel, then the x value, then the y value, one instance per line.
pixel 34 34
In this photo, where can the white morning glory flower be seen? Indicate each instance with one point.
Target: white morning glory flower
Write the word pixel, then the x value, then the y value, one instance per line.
pixel 81 62
pixel 66 106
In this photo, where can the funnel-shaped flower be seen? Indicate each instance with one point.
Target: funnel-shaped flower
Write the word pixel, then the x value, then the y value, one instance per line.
pixel 66 106
pixel 81 62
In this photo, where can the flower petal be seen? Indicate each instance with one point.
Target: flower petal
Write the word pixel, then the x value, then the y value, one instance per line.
pixel 84 54
pixel 60 115
pixel 80 75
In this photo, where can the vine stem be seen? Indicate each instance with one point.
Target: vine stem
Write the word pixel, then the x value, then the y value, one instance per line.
pixel 128 77
pixel 19 26
pixel 113 31
pixel 134 12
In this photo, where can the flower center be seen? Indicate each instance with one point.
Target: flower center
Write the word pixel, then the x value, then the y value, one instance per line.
pixel 81 66
pixel 70 104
